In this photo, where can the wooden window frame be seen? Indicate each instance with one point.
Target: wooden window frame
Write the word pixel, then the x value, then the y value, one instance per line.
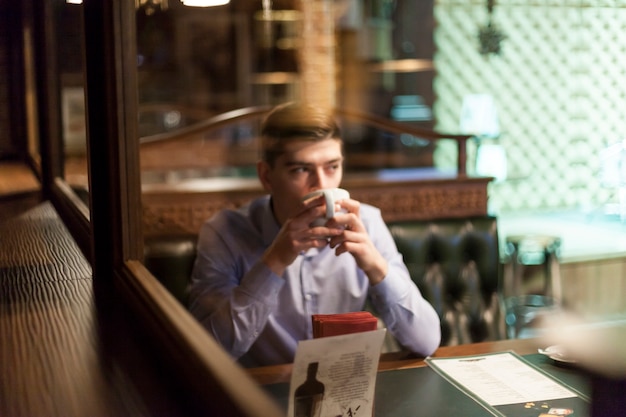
pixel 109 230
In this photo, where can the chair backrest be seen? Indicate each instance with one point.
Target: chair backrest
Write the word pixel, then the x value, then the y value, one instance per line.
pixel 456 265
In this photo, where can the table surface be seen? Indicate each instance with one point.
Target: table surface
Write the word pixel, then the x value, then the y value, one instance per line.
pixel 401 360
pixel 405 386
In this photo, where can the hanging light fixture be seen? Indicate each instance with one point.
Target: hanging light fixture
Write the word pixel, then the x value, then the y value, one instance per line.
pixel 150 5
pixel 162 4
pixel 204 3
pixel 490 36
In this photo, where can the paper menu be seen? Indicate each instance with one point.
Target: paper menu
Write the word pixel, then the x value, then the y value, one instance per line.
pixel 335 375
pixel 507 385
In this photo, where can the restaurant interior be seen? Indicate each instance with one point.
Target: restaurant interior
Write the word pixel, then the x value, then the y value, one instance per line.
pixel 127 123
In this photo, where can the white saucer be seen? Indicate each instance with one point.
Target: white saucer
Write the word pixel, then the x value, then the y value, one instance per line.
pixel 556 353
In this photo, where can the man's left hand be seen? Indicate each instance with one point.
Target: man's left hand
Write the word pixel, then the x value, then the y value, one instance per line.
pixel 356 241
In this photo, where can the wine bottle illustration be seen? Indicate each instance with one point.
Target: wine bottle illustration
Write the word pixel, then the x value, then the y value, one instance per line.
pixel 308 396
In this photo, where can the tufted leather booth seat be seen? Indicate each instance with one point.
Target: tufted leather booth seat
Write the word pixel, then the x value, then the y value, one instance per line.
pixel 170 259
pixel 456 265
pixel 454 262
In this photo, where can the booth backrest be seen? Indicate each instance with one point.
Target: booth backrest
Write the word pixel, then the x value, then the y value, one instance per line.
pixel 454 262
pixel 456 265
pixel 170 259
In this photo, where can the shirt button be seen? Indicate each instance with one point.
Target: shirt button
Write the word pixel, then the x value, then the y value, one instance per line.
pixel 307 297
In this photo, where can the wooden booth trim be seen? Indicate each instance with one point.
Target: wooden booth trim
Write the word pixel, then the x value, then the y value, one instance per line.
pixel 177 209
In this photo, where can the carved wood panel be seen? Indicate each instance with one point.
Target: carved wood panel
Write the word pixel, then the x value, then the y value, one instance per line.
pixel 184 211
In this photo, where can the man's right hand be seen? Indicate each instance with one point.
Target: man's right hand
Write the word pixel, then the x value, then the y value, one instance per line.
pixel 296 236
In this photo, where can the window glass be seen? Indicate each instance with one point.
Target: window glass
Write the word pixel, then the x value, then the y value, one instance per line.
pixel 31 101
pixel 68 25
pixel 523 86
pixel 195 63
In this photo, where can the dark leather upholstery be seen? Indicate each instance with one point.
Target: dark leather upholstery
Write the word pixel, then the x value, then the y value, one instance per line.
pixel 170 259
pixel 454 262
pixel 456 265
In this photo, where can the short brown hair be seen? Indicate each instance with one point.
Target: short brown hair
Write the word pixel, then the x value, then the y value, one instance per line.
pixel 295 121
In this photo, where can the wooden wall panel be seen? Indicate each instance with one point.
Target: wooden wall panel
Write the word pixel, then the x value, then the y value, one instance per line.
pixel 169 210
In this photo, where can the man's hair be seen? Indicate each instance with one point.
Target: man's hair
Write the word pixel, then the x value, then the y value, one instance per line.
pixel 295 121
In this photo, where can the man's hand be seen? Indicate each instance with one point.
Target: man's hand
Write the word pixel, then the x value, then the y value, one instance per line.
pixel 356 241
pixel 296 235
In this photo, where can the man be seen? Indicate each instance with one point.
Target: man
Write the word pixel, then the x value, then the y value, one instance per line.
pixel 263 270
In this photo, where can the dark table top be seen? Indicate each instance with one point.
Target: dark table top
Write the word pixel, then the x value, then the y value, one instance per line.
pixel 420 391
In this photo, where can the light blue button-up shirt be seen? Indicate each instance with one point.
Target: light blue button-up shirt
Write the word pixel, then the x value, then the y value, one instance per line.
pixel 259 317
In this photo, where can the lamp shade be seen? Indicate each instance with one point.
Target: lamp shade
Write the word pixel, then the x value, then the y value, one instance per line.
pixel 479 115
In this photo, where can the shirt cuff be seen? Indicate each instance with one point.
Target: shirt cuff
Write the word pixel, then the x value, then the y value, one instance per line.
pixel 390 289
pixel 261 283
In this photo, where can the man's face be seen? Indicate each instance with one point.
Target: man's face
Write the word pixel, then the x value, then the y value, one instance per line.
pixel 304 167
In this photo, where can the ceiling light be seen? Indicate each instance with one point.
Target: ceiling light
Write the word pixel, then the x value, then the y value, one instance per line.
pixel 204 3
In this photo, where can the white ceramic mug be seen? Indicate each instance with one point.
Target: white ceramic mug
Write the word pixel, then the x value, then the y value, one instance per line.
pixel 332 196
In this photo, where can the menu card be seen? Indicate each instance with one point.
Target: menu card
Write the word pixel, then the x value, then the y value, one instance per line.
pixel 335 376
pixel 507 385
